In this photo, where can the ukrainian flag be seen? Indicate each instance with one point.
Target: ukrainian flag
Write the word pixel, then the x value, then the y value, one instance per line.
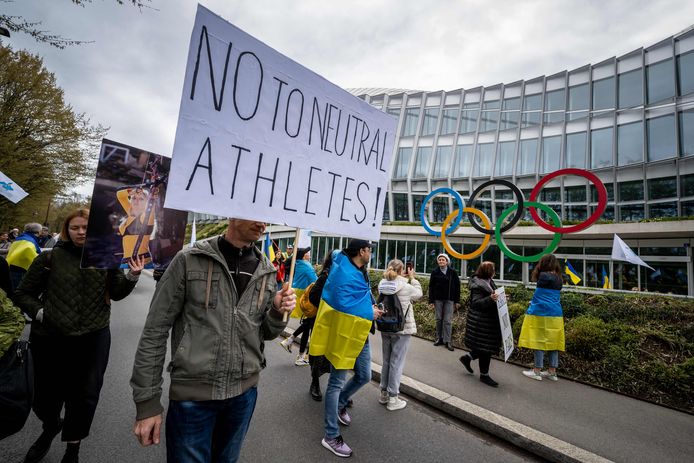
pixel 605 279
pixel 304 275
pixel 543 325
pixel 269 248
pixel 573 274
pixel 22 252
pixel 344 316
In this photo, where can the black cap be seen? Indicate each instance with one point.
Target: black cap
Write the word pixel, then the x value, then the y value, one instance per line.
pixel 302 252
pixel 357 244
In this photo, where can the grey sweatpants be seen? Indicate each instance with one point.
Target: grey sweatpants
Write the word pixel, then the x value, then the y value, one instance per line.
pixel 444 319
pixel 394 348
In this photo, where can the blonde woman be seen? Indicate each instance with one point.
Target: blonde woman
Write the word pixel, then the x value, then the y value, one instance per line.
pixel 403 284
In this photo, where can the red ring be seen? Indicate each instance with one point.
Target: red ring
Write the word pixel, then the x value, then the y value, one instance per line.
pixel 602 200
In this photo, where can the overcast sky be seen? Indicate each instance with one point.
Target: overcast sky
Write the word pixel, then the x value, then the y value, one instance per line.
pixel 130 77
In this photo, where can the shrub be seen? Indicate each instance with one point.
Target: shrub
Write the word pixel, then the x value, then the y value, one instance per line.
pixel 586 337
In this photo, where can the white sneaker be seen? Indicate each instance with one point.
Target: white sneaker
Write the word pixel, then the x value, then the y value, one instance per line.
pixel 287 344
pixel 532 375
pixel 301 360
pixel 549 376
pixel 395 403
pixel 383 398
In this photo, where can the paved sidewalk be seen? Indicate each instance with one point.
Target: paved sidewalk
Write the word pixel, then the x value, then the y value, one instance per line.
pixel 531 413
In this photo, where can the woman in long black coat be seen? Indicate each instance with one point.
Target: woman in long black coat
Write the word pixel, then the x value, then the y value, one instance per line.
pixel 482 332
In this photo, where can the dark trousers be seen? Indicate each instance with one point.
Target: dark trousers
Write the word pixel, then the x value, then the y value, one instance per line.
pixel 208 430
pixel 485 359
pixel 69 372
pixel 305 331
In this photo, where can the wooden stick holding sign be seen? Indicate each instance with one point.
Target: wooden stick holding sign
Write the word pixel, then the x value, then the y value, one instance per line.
pixel 288 284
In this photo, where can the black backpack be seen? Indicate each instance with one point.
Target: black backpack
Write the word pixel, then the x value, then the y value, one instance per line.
pixel 393 320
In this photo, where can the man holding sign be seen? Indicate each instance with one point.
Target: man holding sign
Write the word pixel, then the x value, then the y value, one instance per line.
pixel 218 299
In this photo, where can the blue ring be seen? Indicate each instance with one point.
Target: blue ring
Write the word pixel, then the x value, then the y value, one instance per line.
pixel 454 225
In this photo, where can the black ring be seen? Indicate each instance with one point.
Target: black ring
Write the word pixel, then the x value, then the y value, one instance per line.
pixel 516 218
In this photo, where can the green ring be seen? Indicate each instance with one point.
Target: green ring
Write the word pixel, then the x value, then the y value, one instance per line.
pixel 534 258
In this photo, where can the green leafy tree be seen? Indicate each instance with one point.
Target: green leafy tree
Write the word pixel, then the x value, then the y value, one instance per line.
pixel 44 143
pixel 32 28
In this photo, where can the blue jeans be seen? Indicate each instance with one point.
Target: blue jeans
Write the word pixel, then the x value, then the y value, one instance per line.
pixel 540 358
pixel 208 430
pixel 338 393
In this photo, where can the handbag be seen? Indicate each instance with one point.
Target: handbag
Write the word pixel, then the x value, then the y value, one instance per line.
pixel 16 388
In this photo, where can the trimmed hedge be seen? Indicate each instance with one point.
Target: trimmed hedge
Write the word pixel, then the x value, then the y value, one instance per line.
pixel 640 345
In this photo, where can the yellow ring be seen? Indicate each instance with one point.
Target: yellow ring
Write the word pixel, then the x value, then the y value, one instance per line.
pixel 485 241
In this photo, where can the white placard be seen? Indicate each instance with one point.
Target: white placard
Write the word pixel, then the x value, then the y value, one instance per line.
pixel 261 137
pixel 11 190
pixel 505 323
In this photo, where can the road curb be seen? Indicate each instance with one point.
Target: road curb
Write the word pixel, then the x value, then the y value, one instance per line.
pixel 525 437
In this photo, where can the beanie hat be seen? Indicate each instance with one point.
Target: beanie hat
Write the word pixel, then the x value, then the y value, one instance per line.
pixel 448 259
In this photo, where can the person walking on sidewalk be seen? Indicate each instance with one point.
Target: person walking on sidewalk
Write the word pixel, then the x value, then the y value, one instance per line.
pixel 344 319
pixel 394 345
pixel 444 294
pixel 218 298
pixel 70 336
pixel 482 330
pixel 304 275
pixel 543 324
pixel 22 252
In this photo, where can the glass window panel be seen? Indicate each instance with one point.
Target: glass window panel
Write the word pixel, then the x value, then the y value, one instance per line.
pixel 607 214
pixel 400 250
pixel 578 97
pixel 553 118
pixel 550 195
pixel 686 133
pixel 411 120
pixel 381 250
pixel 513 269
pixel 421 257
pixel 666 278
pixel 687 208
pixel 551 154
pixel 483 162
pixel 554 100
pixel 575 194
pixel 661 188
pixel 662 251
pixel 443 161
pixel 490 116
pixel 393 112
pixel 468 120
pixel 509 120
pixel 450 117
pixel 631 191
pixel 610 192
pixel 660 81
pixel 400 206
pixel 433 250
pixel 663 210
pixel 463 158
pixel 529 119
pixel 630 88
pixel 532 102
pixel 504 159
pixel 685 73
pixel 489 105
pixel 631 212
pixel 431 117
pixel 603 93
pixel 510 104
pixel 527 156
pixel 601 148
pixel 576 150
pixel 417 201
pixel 625 276
pixel 630 143
pixel 576 212
pixel 421 168
pixel 402 166
pixel 661 137
pixel 386 212
pixel 441 210
pixel 687 185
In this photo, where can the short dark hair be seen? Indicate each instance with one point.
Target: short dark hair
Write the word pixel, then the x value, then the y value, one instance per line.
pixel 486 270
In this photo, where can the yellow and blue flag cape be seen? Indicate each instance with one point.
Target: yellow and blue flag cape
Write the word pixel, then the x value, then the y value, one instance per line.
pixel 543 325
pixel 344 316
pixel 304 275
pixel 573 274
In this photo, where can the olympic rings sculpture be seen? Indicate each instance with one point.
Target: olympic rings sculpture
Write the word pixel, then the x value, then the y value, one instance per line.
pixel 454 219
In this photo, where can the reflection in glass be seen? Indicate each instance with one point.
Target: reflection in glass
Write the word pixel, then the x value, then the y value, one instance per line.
pixel 576 150
pixel 420 258
pixel 463 158
pixel 417 201
pixel 578 101
pixel 504 159
pixel 661 137
pixel 631 88
pixel 666 278
pixel 631 212
pixel 411 120
pixel 431 116
pixel 490 116
pixel 551 154
pixel 576 212
pixel 603 94
pixel 483 162
pixel 630 143
pixel 601 148
pixel 631 191
pixel 687 185
pixel 660 81
pixel 663 210
pixel 402 166
pixel 532 106
pixel 662 188
pixel 575 194
pixel 468 121
pixel 421 168
pixel 610 192
pixel 686 133
pixel 443 161
pixel 450 117
pixel 554 101
pixel 441 209
pixel 626 276
pixel 400 206
pixel 685 73
pixel 527 156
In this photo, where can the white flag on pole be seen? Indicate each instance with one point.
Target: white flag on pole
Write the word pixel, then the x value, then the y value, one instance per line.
pixel 192 233
pixel 304 239
pixel 11 190
pixel 621 251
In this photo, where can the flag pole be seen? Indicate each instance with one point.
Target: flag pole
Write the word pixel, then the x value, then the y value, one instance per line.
pixel 297 237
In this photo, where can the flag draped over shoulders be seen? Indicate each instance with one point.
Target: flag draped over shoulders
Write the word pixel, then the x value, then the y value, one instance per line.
pixel 344 316
pixel 543 324
pixel 304 275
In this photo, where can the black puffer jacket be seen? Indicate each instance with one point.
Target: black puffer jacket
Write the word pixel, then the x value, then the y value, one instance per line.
pixel 444 287
pixel 76 301
pixel 482 331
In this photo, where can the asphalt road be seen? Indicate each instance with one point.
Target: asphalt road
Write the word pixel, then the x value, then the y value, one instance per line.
pixel 287 425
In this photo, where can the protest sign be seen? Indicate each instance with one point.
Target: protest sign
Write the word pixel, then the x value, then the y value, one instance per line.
pixel 261 137
pixel 11 190
pixel 127 216
pixel 505 323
